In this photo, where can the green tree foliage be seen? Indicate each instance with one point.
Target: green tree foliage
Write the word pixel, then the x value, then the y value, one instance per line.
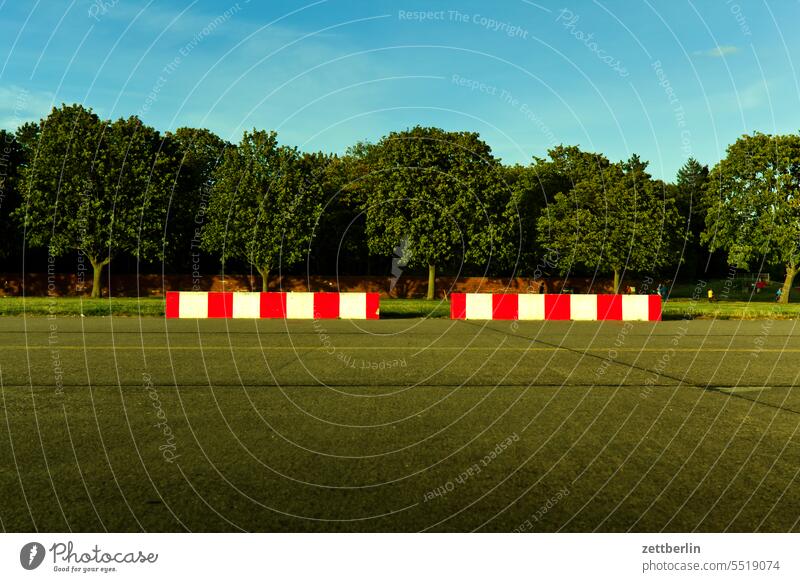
pixel 200 152
pixel 97 187
pixel 533 190
pixel 75 182
pixel 436 194
pixel 264 204
pixel 564 167
pixel 753 196
pixel 690 196
pixel 12 158
pixel 338 241
pixel 525 195
pixel 613 219
pixel 567 166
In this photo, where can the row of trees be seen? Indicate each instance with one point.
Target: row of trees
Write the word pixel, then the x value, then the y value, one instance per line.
pixel 74 182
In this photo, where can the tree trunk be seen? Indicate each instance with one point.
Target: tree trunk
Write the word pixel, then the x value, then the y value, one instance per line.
pixel 264 272
pixel 791 273
pixel 431 282
pixel 97 275
pixel 616 280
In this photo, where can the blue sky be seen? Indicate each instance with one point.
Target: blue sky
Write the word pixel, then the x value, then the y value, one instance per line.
pixel 664 79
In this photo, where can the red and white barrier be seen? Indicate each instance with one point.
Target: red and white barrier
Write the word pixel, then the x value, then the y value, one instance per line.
pixel 202 305
pixel 555 307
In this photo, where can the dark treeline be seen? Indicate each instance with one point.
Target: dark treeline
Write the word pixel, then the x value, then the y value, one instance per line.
pixel 82 194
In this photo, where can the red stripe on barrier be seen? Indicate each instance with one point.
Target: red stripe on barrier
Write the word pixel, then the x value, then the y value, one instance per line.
pixel 220 304
pixel 373 305
pixel 505 306
pixel 609 307
pixel 326 306
pixel 458 306
pixel 173 306
pixel 556 307
pixel 654 307
pixel 273 305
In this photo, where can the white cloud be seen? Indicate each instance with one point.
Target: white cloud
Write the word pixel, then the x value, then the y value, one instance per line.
pixel 718 51
pixel 754 95
pixel 747 97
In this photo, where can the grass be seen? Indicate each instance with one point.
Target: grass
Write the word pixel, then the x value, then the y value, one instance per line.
pixel 702 309
pixel 403 308
pixel 75 306
pixel 218 425
pixel 154 306
pixel 761 307
pixel 732 290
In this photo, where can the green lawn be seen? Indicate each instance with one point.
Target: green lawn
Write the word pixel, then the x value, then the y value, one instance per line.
pixel 400 308
pixel 75 306
pixel 733 290
pixel 132 306
pixel 129 424
pixel 679 308
pixel 689 309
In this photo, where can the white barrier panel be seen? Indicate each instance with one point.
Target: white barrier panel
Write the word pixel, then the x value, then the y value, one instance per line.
pixel 194 305
pixel 246 305
pixel 531 307
pixel 479 306
pixel 583 307
pixel 635 308
pixel 352 305
pixel 299 306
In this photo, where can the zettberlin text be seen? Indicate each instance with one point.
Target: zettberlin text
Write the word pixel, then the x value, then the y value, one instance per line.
pixel 670 549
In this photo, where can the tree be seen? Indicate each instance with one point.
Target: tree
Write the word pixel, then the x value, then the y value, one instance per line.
pixel 753 195
pixel 338 237
pixel 264 203
pixel 531 189
pixel 525 198
pixel 200 152
pixel 436 194
pixel 690 196
pixel 97 187
pixel 12 158
pixel 567 166
pixel 613 219
pixel 564 167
